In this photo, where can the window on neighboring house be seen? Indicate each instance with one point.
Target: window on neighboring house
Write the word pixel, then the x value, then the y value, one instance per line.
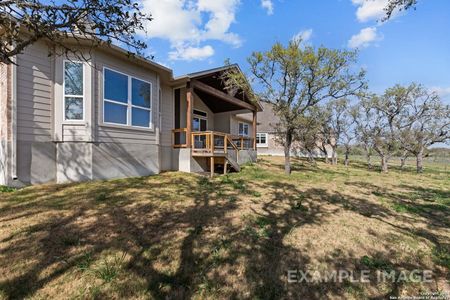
pixel 199 120
pixel 73 86
pixel 127 100
pixel 243 129
pixel 261 139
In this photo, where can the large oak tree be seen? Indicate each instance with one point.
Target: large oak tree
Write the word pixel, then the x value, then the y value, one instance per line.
pixel 296 78
pixel 92 22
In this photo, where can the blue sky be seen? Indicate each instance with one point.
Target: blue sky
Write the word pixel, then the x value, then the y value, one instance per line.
pixel 190 35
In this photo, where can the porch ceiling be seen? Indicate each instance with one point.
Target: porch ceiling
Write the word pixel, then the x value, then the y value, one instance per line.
pixel 216 105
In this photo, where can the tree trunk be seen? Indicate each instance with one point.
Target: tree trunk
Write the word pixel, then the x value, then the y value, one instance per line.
pixel 419 161
pixel 368 157
pixel 287 153
pixel 346 159
pixel 333 156
pixel 403 159
pixel 384 165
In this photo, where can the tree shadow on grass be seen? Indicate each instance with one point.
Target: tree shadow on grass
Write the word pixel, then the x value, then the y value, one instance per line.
pixel 181 242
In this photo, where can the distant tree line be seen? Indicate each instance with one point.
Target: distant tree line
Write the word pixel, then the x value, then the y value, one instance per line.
pixel 323 102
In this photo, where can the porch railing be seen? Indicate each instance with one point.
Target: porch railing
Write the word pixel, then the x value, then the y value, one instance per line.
pixel 243 142
pixel 179 138
pixel 211 141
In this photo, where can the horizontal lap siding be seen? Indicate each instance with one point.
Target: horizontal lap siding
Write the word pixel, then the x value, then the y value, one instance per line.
pixel 75 133
pixel 167 116
pixel 109 134
pixel 34 94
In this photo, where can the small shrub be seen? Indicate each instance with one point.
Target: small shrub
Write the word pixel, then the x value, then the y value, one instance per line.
pixel 405 208
pixel 239 185
pixel 6 189
pixel 232 198
pixel 258 227
pixel 109 270
pixel 256 194
pixel 376 263
pixel 85 262
pixel 101 197
pixel 70 240
pixel 441 256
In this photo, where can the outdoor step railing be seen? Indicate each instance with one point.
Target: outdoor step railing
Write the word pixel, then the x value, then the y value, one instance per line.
pixel 211 141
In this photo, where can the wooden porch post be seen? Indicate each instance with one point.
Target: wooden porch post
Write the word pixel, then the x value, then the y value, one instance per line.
pixel 189 100
pixel 254 129
pixel 212 166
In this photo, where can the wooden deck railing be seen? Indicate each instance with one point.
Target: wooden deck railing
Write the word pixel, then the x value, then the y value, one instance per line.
pixel 211 141
pixel 179 138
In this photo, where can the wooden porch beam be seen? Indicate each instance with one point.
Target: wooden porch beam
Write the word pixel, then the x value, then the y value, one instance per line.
pixel 219 94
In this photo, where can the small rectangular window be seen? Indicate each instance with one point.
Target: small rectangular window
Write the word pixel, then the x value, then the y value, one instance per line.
pixel 261 139
pixel 200 113
pixel 199 124
pixel 243 129
pixel 73 85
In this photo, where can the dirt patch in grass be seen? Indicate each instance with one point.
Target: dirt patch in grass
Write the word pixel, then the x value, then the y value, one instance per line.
pixel 181 235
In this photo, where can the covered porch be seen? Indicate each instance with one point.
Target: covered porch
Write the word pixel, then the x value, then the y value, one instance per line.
pixel 208 126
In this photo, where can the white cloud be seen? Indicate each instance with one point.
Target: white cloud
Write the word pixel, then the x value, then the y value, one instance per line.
pixel 370 9
pixel 304 35
pixel 186 24
pixel 268 6
pixel 364 38
pixel 443 92
pixel 191 53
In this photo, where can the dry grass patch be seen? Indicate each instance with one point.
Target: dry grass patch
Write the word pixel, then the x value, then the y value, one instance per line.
pixel 181 235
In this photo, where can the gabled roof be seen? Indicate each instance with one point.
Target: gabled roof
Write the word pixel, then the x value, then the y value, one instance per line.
pixel 210 77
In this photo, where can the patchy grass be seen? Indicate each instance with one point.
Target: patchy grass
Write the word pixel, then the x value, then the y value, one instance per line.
pixel 180 235
pixel 6 189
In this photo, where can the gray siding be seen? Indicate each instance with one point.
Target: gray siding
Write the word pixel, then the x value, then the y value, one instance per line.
pixel 119 134
pixel 200 105
pixel 167 109
pixel 34 94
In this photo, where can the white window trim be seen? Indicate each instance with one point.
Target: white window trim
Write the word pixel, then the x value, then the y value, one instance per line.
pixel 248 128
pixel 129 104
pixel 72 121
pixel 262 145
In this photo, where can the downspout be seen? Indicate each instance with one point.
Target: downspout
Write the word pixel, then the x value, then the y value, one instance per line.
pixel 14 118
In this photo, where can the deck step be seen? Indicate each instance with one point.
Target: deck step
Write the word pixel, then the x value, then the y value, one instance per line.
pixel 233 163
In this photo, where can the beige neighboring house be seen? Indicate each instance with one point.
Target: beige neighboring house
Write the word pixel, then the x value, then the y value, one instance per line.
pixel 63 119
pixel 266 143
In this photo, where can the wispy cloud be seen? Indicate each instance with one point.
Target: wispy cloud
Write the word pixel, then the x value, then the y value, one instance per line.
pixel 192 53
pixel 443 92
pixel 268 6
pixel 303 35
pixel 365 37
pixel 370 9
pixel 183 24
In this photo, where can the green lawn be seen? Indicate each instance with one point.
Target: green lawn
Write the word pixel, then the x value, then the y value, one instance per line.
pixel 179 235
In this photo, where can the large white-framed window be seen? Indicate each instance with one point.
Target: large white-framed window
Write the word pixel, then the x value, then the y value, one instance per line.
pixel 126 100
pixel 243 129
pixel 73 90
pixel 262 139
pixel 199 120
